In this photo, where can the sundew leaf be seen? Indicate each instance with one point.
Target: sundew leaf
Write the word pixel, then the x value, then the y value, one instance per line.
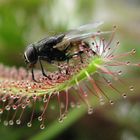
pixel 75 82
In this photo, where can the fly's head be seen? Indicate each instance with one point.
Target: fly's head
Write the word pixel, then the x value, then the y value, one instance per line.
pixel 30 55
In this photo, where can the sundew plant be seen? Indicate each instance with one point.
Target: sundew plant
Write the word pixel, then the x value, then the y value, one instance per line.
pixel 82 81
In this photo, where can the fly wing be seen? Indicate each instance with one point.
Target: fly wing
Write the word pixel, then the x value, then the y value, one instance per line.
pixel 84 28
pixel 80 33
pixel 78 37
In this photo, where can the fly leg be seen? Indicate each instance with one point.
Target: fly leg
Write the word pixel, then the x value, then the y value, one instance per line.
pixel 71 56
pixel 42 69
pixel 59 69
pixel 27 68
pixel 67 47
pixel 79 54
pixel 67 69
pixel 33 76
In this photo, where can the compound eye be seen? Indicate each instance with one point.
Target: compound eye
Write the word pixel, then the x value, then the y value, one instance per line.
pixel 25 58
pixel 30 55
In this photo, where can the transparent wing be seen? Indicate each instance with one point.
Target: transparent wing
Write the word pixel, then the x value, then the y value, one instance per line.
pixel 77 37
pixel 84 28
pixel 82 32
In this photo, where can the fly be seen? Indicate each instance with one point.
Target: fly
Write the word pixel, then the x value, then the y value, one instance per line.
pixel 48 50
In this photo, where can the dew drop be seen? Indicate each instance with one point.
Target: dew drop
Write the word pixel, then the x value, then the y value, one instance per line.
pixel 27 101
pixel 4 99
pixel 111 102
pixel 42 126
pixel 128 63
pixel 120 72
pixel 60 120
pixel 45 100
pixel 18 96
pixel 18 121
pixel 7 107
pixel 5 123
pixel 72 104
pixel 102 102
pixel 131 88
pixel 34 95
pixel 1 111
pixel 11 95
pixel 29 87
pixel 29 124
pixel 14 107
pixel 133 51
pixel 124 95
pixel 23 106
pixel 11 122
pixel 90 110
pixel 4 90
pixel 14 96
pixel 108 81
pixel 40 118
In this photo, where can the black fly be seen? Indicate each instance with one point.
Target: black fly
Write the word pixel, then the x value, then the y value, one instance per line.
pixel 43 50
pixel 48 50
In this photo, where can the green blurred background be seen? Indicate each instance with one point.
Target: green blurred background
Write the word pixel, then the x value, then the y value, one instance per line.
pixel 26 21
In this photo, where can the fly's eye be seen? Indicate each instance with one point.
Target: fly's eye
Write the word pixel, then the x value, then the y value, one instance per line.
pixel 25 60
pixel 30 55
pixel 26 57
